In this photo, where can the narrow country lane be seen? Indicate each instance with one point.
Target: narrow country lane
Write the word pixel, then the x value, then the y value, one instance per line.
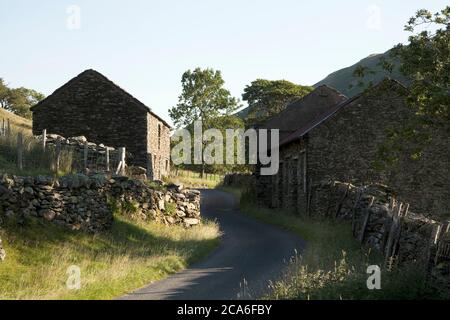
pixel 250 254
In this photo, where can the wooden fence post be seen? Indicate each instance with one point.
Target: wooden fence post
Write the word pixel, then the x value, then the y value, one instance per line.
pixel 122 164
pixel 20 151
pixel 355 207
pixel 8 129
pixel 309 198
pixel 85 157
pixel 57 154
pixel 366 221
pixel 122 160
pixel 107 159
pixel 44 138
pixel 393 234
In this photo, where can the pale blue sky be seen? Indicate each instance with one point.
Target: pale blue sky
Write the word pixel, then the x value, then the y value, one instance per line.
pixel 145 46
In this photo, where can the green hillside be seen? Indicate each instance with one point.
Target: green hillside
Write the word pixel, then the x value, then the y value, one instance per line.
pixel 15 120
pixel 344 80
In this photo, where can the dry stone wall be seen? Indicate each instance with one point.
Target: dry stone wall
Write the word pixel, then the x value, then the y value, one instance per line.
pixel 87 203
pixel 387 225
pixel 78 201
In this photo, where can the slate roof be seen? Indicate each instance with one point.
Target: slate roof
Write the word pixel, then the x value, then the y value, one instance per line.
pixel 305 110
pixel 329 112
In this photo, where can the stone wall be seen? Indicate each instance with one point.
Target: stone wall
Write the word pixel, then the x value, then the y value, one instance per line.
pixel 381 222
pixel 170 205
pixel 79 201
pixel 86 203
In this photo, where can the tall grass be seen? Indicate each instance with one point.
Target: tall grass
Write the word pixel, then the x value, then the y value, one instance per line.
pixel 35 160
pixel 127 257
pixel 334 265
pixel 192 179
pixel 15 120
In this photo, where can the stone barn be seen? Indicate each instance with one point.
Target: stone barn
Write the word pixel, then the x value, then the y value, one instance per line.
pixel 91 105
pixel 342 143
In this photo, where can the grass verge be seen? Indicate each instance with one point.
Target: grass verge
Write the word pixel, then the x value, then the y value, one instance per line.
pixel 192 179
pixel 334 265
pixel 127 257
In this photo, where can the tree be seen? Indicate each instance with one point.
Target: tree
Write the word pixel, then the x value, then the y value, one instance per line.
pixel 426 61
pixel 203 98
pixel 4 95
pixel 18 100
pixel 267 98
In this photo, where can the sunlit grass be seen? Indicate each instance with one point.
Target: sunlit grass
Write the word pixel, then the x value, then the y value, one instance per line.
pixel 113 263
pixel 15 120
pixel 192 179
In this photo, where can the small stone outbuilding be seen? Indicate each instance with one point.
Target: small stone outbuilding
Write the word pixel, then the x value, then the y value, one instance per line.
pixel 91 105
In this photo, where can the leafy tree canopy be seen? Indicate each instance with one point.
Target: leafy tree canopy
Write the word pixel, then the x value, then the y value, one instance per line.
pixel 267 98
pixel 18 100
pixel 426 61
pixel 203 98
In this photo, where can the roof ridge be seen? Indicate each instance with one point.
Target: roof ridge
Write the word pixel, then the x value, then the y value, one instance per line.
pixel 304 100
pixel 104 78
pixel 336 108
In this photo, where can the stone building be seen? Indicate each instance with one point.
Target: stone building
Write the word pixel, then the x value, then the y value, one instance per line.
pixel 342 143
pixel 91 105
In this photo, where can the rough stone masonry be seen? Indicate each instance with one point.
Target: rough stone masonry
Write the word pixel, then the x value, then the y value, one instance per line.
pixel 381 222
pixel 82 202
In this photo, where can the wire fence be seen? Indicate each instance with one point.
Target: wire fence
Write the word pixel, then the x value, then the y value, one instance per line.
pixel 21 153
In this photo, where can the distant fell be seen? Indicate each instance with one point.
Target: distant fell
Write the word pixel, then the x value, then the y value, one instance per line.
pixel 344 80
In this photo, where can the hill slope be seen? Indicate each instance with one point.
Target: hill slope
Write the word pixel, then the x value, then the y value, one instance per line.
pixel 344 81
pixel 15 120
